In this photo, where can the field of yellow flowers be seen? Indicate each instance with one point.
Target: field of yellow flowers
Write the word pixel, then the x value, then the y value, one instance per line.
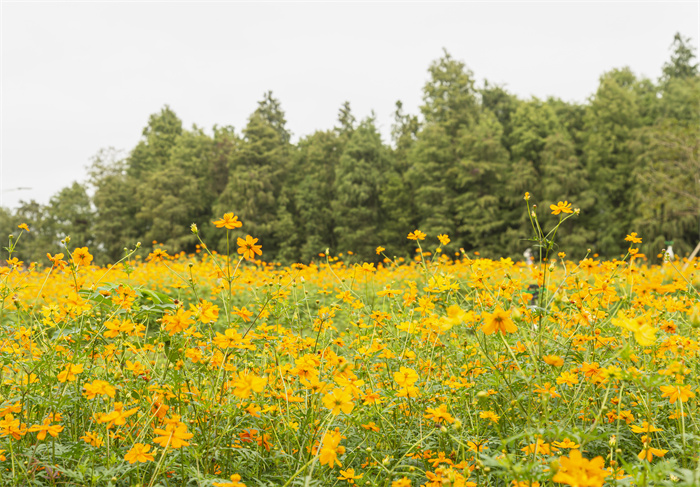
pixel 221 370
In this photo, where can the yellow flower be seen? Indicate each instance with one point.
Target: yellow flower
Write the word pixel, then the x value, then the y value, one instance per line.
pixel 561 207
pixel 349 475
pixel 117 416
pixel 405 377
pixel 444 239
pixel 675 393
pixel 578 471
pixel 247 383
pixel 247 247
pixel 158 255
pixel 331 448
pixel 439 414
pixel 645 428
pixel 648 452
pixel 23 226
pixel 173 435
pixel 632 237
pixel 98 387
pixel 139 453
pixel 416 235
pixel 489 415
pixel 554 360
pixel 235 482
pixel 46 427
pixel 499 321
pixel 91 438
pixel 229 221
pixel 380 249
pixel 81 256
pixel 567 443
pixel 69 372
pixel 339 400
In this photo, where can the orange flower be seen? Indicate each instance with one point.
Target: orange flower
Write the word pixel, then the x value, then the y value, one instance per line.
pixel 235 482
pixel 632 237
pixel 247 247
pixel 339 400
pixel 416 235
pixel 229 221
pixel 554 360
pixel 499 321
pixel 157 255
pixel 439 414
pixel 98 387
pixel 139 453
pixel 46 427
pixel 675 393
pixel 444 239
pixel 578 471
pixel 173 435
pixel 68 374
pixel 81 256
pixel 561 207
pixel 331 448
pixel 648 452
pixel 349 475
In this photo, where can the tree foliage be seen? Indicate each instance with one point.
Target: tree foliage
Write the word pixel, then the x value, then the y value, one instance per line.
pixel 627 158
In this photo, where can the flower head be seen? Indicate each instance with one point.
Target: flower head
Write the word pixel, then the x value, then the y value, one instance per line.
pixel 561 207
pixel 247 247
pixel 81 256
pixel 499 321
pixel 139 453
pixel 229 222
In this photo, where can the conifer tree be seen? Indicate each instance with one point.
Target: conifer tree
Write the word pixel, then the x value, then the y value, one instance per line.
pixel 358 178
pixel 611 119
pixel 256 176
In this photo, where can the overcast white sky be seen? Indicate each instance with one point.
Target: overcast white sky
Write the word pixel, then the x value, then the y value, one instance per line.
pixel 79 76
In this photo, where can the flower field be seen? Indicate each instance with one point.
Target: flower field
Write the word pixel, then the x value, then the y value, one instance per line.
pixel 448 369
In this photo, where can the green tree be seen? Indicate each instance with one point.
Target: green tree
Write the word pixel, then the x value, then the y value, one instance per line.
pixel 70 213
pixel 358 177
pixel 610 124
pixel 531 124
pixel 256 176
pixel 316 160
pixel 667 196
pixel 153 150
pixel 114 204
pixel 179 193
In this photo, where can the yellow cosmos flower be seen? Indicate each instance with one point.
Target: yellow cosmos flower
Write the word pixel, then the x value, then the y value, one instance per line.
pixel 498 321
pixel 81 256
pixel 174 435
pixel 561 207
pixel 405 377
pixel 247 247
pixel 577 471
pixel 339 400
pixel 416 235
pixel 229 222
pixel 674 393
pixel 139 453
pixel 235 482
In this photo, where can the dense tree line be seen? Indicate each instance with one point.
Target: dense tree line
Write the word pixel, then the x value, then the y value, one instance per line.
pixel 628 158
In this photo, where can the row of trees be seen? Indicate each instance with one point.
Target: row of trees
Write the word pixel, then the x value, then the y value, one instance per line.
pixel 628 158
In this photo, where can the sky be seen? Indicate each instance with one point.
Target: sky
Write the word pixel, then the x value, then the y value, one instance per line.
pixel 77 77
